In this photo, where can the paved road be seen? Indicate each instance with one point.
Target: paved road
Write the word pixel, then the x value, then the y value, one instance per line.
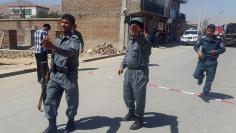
pixel 172 105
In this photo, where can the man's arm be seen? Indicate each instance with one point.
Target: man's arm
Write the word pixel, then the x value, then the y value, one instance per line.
pixel 72 50
pixel 197 49
pixel 81 41
pixel 123 65
pixel 221 48
pixel 198 45
pixel 145 42
pixel 44 35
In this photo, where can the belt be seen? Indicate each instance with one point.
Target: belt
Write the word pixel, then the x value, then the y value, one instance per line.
pixel 212 59
pixel 60 69
pixel 137 67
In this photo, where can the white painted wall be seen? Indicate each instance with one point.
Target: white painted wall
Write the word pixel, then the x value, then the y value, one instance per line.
pixel 35 10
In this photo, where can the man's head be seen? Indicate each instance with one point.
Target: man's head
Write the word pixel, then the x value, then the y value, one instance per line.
pixel 211 30
pixel 47 27
pixel 137 25
pixel 67 23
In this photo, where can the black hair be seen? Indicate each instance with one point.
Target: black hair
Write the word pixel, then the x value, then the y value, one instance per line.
pixel 211 26
pixel 47 26
pixel 69 17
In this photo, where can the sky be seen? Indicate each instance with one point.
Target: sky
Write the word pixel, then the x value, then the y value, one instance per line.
pixel 50 2
pixel 215 11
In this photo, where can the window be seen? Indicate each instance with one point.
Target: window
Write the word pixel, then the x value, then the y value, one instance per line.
pixel 28 11
pixel 15 11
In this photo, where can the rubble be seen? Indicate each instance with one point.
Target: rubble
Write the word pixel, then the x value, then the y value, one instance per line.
pixel 104 49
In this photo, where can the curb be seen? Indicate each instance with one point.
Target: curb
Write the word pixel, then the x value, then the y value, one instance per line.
pixel 34 69
pixel 101 57
pixel 17 72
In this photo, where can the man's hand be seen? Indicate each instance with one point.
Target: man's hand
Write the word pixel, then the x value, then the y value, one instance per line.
pixel 120 71
pixel 200 55
pixel 213 52
pixel 135 29
pixel 81 50
pixel 48 44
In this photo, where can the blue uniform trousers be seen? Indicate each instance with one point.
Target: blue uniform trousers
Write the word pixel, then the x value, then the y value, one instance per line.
pixel 134 94
pixel 209 66
pixel 55 90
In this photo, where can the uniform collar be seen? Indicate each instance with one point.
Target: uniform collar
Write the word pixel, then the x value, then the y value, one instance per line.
pixel 211 39
pixel 62 36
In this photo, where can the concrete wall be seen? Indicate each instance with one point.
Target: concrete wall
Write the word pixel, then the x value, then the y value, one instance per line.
pixel 14 54
pixel 23 29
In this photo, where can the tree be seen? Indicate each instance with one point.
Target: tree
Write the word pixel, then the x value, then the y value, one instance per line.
pixel 48 15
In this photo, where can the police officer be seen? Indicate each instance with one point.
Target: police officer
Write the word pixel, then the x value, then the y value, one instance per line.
pixel 137 74
pixel 64 75
pixel 208 49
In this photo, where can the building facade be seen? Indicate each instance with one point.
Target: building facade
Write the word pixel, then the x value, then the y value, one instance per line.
pixel 26 10
pixel 106 20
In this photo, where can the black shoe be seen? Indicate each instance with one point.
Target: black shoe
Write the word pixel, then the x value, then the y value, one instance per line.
pixel 199 82
pixel 204 97
pixel 51 129
pixel 129 117
pixel 70 126
pixel 137 124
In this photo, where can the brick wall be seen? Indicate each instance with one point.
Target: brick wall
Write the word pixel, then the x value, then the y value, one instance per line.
pixel 90 6
pixel 97 20
pixel 21 25
pixel 134 6
pixel 99 28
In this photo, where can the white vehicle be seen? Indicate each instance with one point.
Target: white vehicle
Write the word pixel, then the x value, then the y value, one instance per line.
pixel 190 36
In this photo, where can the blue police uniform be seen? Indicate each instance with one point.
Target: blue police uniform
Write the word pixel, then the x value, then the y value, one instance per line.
pixel 209 63
pixel 136 77
pixel 64 77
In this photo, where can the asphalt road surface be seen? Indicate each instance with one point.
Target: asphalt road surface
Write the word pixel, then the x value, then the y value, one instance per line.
pixel 172 104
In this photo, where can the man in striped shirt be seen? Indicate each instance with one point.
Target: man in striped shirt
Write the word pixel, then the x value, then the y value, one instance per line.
pixel 39 50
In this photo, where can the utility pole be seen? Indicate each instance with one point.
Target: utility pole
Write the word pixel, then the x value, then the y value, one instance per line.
pixel 219 18
pixel 200 17
pixel 122 24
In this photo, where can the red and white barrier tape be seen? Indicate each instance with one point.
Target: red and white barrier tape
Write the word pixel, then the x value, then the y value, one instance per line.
pixel 151 84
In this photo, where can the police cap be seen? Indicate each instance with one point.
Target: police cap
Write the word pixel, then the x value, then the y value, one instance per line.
pixel 137 20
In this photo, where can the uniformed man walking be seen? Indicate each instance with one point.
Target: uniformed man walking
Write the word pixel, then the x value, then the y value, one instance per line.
pixel 208 49
pixel 137 74
pixel 64 75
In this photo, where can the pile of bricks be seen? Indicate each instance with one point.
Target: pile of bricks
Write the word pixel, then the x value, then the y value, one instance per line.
pixel 104 49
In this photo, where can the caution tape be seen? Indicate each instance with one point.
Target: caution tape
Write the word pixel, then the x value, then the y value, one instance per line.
pixel 153 85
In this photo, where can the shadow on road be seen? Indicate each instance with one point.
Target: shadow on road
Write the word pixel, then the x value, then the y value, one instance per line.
pixel 151 65
pixel 154 120
pixel 169 44
pixel 96 122
pixel 213 95
pixel 1 64
pixel 87 69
